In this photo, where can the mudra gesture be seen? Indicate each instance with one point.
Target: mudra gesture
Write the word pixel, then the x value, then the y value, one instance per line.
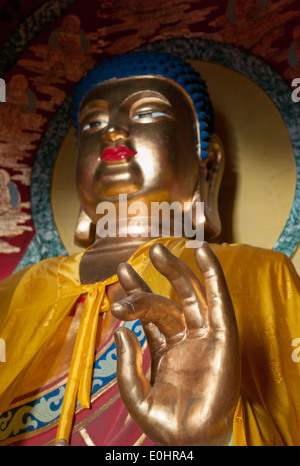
pixel 145 127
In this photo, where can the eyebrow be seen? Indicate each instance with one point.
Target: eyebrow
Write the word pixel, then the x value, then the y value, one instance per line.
pixel 97 104
pixel 144 94
pixel 92 106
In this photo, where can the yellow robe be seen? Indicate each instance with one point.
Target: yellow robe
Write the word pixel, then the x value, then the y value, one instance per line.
pixel 265 289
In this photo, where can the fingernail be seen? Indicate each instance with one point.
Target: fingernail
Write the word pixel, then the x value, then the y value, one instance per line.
pixel 122 306
pixel 116 307
pixel 118 340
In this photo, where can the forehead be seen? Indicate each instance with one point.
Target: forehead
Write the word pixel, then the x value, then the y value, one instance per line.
pixel 117 91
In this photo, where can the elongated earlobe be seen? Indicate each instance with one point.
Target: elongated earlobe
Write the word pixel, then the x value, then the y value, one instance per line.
pixel 85 231
pixel 208 186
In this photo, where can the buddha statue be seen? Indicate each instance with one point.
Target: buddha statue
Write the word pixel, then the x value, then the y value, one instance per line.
pixel 219 320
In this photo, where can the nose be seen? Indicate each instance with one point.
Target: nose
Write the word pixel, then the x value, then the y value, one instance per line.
pixel 116 128
pixel 112 134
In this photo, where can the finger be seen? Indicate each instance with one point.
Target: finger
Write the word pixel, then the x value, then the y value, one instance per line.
pixel 220 308
pixel 131 281
pixel 133 385
pixel 185 283
pixel 149 307
pixel 132 284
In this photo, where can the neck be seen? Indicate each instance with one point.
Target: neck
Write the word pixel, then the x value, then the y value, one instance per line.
pixel 117 245
pixel 101 260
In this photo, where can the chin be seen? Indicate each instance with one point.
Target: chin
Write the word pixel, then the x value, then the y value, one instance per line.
pixel 112 195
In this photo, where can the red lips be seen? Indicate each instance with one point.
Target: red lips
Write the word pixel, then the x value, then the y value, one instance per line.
pixel 112 154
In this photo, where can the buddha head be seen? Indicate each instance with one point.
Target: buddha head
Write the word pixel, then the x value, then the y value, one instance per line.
pixel 145 129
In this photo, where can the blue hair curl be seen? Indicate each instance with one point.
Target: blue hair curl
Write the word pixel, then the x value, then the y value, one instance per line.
pixel 154 63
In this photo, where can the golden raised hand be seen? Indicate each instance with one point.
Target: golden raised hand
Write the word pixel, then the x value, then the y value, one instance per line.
pixel 195 373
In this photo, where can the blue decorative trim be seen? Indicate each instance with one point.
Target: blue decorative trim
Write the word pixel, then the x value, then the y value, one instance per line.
pixel 46 408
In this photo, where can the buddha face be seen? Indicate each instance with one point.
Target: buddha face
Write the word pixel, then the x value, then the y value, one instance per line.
pixel 137 136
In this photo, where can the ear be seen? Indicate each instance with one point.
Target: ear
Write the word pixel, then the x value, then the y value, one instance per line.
pixel 208 186
pixel 85 230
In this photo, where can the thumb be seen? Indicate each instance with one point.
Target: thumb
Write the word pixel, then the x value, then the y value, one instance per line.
pixel 133 385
